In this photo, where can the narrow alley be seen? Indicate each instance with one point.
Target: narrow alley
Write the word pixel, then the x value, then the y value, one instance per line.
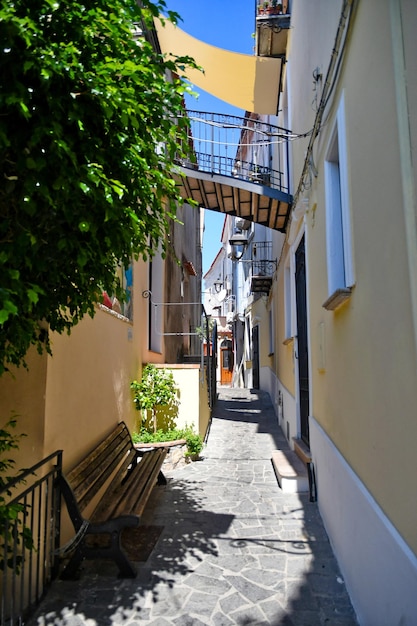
pixel 229 546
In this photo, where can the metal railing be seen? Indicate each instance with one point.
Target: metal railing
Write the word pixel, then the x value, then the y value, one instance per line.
pixel 211 371
pixel 258 259
pixel 27 572
pixel 261 258
pixel 197 337
pixel 239 147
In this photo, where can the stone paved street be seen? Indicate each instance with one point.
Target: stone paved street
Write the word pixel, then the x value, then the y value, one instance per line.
pixel 234 549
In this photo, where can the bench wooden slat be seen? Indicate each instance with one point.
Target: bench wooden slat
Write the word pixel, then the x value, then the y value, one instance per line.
pixel 139 489
pixel 115 492
pixel 87 479
pixel 78 470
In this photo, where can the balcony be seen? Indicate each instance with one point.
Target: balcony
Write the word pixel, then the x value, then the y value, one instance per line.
pixel 229 170
pixel 273 21
pixel 259 266
pixel 262 267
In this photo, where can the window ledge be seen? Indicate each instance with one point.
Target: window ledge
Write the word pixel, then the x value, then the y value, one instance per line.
pixel 119 316
pixel 288 340
pixel 337 298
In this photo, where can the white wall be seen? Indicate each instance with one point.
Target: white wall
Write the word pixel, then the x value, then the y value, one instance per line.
pixel 379 569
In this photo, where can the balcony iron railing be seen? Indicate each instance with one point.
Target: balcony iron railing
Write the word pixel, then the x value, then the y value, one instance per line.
pixel 260 266
pixel 239 147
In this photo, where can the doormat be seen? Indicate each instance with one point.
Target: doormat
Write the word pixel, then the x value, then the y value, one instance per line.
pixel 138 543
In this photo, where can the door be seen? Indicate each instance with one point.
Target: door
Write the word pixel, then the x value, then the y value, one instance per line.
pixel 255 357
pixel 226 362
pixel 302 340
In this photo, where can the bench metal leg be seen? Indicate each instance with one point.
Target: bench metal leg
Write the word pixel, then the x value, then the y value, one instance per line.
pixel 71 570
pixel 126 569
pixel 161 479
pixel 113 551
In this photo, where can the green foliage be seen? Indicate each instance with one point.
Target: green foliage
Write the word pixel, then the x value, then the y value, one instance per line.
pixel 156 388
pixel 207 325
pixel 144 436
pixel 89 127
pixel 194 443
pixel 193 440
pixel 12 528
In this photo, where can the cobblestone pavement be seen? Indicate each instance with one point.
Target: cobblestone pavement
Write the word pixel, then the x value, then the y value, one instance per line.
pixel 234 549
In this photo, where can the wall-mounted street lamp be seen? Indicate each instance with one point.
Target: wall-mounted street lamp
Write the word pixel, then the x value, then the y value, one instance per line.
pixel 262 268
pixel 239 244
pixel 218 285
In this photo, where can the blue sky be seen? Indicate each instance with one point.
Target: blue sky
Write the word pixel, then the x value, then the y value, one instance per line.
pixel 227 24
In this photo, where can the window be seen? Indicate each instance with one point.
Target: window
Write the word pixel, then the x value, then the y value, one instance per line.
pixel 271 331
pixel 248 354
pixel 288 299
pixel 110 300
pixel 338 230
pixel 155 309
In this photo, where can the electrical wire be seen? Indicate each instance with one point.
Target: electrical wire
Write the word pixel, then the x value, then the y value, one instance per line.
pixel 253 129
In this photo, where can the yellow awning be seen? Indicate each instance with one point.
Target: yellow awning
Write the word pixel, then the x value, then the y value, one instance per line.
pixel 248 82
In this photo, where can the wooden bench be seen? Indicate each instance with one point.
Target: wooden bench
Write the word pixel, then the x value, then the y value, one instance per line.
pixel 125 478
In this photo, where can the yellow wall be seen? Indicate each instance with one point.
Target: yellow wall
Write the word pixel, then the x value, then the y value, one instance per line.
pixel 284 360
pixel 88 389
pixel 204 408
pixel 193 409
pixel 22 393
pixel 366 396
pixel 260 317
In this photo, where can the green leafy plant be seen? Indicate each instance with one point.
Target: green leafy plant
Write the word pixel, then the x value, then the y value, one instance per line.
pixel 207 326
pixel 144 436
pixel 12 529
pixel 89 131
pixel 193 441
pixel 156 388
pixel 194 444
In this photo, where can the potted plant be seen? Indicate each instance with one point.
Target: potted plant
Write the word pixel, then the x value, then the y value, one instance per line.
pixel 258 174
pixel 276 7
pixel 263 8
pixel 156 388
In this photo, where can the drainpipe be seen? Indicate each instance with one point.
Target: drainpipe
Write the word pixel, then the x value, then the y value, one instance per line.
pixel 406 160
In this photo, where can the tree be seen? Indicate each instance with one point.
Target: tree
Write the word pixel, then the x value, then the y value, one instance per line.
pixel 89 127
pixel 156 388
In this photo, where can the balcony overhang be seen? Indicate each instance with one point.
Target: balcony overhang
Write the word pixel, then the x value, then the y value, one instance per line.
pixel 248 82
pixel 261 284
pixel 247 200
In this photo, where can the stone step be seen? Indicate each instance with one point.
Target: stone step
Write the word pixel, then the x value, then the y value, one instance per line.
pixel 302 450
pixel 291 472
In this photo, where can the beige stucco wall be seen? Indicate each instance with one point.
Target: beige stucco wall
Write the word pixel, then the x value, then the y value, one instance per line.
pixel 365 397
pixel 204 408
pixel 88 382
pixel 193 409
pixel 284 360
pixel 22 394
